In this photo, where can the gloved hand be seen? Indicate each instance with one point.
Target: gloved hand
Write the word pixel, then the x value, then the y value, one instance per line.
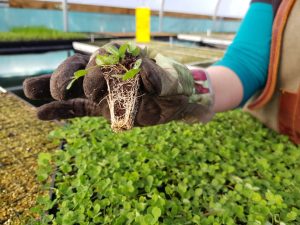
pixel 171 92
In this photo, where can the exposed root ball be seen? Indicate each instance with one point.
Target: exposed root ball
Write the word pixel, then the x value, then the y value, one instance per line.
pixel 122 101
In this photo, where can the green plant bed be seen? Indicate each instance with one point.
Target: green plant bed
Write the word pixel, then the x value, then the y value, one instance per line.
pixel 230 171
pixel 37 33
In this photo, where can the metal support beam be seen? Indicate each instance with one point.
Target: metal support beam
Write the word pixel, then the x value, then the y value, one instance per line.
pixel 215 16
pixel 65 15
pixel 161 15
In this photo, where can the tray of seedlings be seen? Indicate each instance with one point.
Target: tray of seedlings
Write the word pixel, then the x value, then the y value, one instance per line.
pixel 41 39
pixel 22 138
pixel 176 173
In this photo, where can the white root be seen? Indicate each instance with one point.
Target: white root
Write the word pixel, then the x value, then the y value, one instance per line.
pixel 122 101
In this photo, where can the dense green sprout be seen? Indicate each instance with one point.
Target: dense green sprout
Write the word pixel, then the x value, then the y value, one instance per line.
pixel 230 171
pixel 37 33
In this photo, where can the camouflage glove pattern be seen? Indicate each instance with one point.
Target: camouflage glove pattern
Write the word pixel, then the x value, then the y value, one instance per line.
pixel 176 79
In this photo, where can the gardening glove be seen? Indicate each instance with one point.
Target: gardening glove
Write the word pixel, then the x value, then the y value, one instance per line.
pixel 69 103
pixel 172 92
pixel 169 89
pixel 180 94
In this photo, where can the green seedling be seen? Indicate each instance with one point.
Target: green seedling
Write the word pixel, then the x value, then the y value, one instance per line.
pixel 35 33
pixel 114 58
pixel 77 75
pixel 175 173
pixel 120 68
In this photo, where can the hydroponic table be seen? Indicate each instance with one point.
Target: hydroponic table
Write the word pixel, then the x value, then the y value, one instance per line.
pixel 217 40
pixel 22 137
pixel 189 55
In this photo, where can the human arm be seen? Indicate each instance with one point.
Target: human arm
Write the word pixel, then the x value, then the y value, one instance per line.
pixel 243 70
pixel 227 87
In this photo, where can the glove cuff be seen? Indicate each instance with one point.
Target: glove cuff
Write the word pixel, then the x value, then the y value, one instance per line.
pixel 203 92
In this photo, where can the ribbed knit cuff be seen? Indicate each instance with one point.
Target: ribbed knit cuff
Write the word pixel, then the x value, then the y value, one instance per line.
pixel 203 93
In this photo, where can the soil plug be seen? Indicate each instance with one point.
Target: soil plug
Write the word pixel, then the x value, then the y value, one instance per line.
pixel 120 68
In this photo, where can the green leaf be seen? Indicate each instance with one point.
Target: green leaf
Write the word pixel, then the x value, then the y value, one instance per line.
pixel 43 158
pixel 182 188
pixel 97 208
pixel 112 50
pixel 198 192
pixel 120 220
pixel 136 52
pixel 196 219
pixel 137 64
pixel 122 50
pixel 150 180
pixel 106 60
pixel 36 209
pixel 80 73
pixel 156 212
pixel 77 75
pixel 42 175
pixel 291 216
pixel 133 49
pixel 130 74
pixel 112 60
pixel 149 219
pixel 100 60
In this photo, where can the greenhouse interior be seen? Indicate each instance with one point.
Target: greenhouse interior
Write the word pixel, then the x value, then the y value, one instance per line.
pixel 149 112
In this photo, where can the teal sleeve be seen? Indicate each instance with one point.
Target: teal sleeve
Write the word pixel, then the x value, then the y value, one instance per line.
pixel 248 55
